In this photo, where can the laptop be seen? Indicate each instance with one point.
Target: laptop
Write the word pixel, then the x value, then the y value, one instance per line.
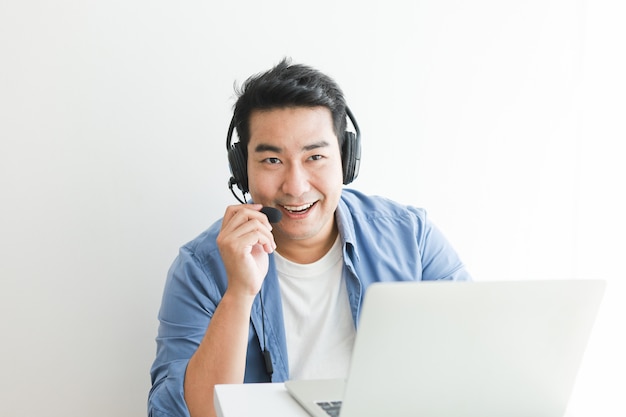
pixel 449 349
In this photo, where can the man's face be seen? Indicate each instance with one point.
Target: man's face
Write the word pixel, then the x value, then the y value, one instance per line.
pixel 294 164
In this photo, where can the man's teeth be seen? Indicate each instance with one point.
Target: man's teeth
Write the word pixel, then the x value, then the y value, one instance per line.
pixel 298 208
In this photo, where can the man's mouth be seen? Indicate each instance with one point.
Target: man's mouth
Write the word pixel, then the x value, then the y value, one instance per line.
pixel 298 209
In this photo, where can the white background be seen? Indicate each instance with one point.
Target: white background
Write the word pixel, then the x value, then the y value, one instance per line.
pixel 504 119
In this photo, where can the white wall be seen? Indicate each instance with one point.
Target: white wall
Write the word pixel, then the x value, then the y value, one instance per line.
pixel 504 119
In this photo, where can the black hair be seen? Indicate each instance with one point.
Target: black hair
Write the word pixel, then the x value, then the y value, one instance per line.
pixel 288 85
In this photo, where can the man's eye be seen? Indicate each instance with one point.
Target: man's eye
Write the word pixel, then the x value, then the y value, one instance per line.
pixel 317 157
pixel 272 160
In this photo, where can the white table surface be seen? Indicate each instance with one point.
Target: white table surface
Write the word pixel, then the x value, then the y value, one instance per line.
pixel 256 400
pixel 265 400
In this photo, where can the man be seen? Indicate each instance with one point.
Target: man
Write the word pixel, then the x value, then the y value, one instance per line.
pixel 251 301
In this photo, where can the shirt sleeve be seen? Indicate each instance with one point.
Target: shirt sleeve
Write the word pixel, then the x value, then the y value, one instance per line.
pixel 440 261
pixel 189 300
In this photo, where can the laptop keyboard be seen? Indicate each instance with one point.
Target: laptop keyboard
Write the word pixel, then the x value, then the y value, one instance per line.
pixel 331 407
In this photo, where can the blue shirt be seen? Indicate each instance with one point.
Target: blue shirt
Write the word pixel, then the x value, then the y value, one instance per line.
pixel 381 240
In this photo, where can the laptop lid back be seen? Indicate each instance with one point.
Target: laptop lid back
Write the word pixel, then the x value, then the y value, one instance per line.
pixel 483 349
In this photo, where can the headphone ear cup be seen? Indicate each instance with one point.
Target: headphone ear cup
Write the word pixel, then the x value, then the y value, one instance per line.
pixel 238 167
pixel 350 157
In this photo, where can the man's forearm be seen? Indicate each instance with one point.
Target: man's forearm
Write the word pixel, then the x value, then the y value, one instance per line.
pixel 221 356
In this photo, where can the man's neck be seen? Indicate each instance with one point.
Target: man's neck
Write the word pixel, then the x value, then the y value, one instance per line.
pixel 309 250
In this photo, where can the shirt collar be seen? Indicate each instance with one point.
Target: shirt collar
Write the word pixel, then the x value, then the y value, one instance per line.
pixel 345 224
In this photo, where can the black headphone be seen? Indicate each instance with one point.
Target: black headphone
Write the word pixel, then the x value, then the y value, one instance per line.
pixel 350 156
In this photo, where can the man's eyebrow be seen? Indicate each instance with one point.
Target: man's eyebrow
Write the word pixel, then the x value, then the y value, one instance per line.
pixel 316 145
pixel 264 147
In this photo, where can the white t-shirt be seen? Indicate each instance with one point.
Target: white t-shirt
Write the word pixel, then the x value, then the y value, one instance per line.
pixel 318 320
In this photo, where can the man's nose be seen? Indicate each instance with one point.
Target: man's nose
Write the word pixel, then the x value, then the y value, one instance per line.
pixel 296 181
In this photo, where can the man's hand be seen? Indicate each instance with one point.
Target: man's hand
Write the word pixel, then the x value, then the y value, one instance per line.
pixel 245 241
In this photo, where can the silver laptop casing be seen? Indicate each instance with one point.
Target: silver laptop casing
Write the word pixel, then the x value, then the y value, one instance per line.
pixel 449 349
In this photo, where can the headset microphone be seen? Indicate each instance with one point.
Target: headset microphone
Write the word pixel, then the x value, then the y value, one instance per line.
pixel 273 215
